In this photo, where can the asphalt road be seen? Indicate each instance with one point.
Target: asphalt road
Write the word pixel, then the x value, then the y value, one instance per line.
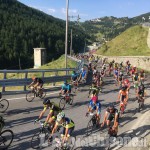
pixel 21 115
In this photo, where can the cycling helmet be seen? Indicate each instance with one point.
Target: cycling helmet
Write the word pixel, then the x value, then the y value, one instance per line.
pixel 33 77
pixel 46 101
pixel 121 73
pixel 111 106
pixel 60 116
pixel 123 88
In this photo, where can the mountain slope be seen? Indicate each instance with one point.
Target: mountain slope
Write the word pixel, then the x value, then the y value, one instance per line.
pixel 131 42
pixel 110 27
pixel 23 28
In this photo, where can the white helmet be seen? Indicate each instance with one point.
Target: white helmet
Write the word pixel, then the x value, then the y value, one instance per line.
pixel 60 116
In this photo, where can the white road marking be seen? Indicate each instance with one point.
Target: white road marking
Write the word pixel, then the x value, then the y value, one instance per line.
pixel 25 97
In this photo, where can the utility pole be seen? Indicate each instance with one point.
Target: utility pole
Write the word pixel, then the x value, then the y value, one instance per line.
pixel 66 37
pixel 71 43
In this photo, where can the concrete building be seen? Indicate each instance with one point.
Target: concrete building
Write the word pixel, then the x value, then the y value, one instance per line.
pixel 39 57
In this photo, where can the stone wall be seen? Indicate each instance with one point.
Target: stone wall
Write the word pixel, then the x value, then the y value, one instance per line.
pixel 138 61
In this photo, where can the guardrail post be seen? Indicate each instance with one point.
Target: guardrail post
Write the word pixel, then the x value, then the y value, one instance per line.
pixel 26 76
pixel 56 74
pixel 3 89
pixel 43 74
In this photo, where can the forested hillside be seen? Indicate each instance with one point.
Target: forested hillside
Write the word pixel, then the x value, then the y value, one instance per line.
pixel 23 28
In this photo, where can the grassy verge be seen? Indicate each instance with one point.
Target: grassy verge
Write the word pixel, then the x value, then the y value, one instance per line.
pixel 132 42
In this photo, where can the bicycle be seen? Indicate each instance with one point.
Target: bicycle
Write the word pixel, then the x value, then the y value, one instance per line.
pixel 122 107
pixel 6 138
pixel 34 93
pixel 4 104
pixel 91 124
pixel 141 102
pixel 41 137
pixel 111 135
pixel 65 99
pixel 59 145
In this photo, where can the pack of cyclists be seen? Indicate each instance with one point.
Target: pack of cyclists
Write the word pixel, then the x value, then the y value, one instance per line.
pixel 57 117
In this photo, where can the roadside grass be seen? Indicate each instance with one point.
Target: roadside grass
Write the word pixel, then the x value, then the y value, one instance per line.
pixel 132 42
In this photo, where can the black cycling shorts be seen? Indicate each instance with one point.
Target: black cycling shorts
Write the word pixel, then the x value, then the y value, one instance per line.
pixel 70 130
pixel 112 116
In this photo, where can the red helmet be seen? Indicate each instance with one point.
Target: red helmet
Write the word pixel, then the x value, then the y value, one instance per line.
pixel 126 81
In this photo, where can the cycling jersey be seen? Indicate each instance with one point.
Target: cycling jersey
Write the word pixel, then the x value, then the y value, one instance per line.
pixel 54 109
pixel 96 106
pixel 83 73
pixel 124 93
pixel 116 72
pixel 68 123
pixel 94 98
pixel 135 77
pixel 66 87
pixel 94 88
pixel 38 80
pixel 113 114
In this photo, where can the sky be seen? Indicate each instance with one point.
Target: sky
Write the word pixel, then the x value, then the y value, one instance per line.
pixel 91 9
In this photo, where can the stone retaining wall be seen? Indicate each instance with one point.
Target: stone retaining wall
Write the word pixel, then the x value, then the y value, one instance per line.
pixel 138 61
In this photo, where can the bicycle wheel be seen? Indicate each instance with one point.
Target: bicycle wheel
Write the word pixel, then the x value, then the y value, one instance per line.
pixel 6 138
pixel 71 99
pixel 36 140
pixel 30 96
pixel 62 103
pixel 4 104
pixel 90 127
pixel 43 94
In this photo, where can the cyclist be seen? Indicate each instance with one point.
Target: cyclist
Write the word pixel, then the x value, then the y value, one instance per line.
pixel 93 87
pixel 111 114
pixel 120 78
pixel 95 105
pixel 54 111
pixel 67 124
pixel 110 67
pixel 116 75
pixel 141 91
pixel 128 69
pixel 126 83
pixel 94 71
pixel 135 81
pixel 74 78
pixel 83 75
pixel 123 95
pixel 66 88
pixel 37 84
pixel 134 70
pixel 142 76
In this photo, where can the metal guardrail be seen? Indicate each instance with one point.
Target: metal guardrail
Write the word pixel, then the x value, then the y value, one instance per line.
pixel 26 81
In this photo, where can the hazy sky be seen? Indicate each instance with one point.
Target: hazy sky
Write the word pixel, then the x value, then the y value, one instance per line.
pixel 90 9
